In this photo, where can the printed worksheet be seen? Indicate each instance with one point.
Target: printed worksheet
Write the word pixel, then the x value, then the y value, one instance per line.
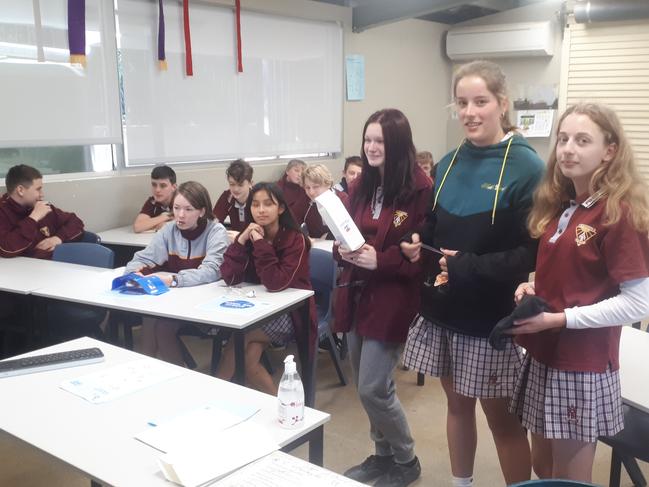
pixel 120 380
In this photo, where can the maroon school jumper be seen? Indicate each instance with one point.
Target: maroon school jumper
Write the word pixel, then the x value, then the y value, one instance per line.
pixel 313 220
pixel 296 198
pixel 226 206
pixel 389 295
pixel 585 265
pixel 19 234
pixel 280 265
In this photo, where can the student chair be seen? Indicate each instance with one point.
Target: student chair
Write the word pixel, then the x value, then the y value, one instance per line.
pixel 90 237
pixel 323 279
pixel 628 445
pixel 67 320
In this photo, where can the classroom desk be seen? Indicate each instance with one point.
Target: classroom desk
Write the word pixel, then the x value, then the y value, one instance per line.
pixel 191 304
pixel 125 242
pixel 634 352
pixel 97 439
pixel 126 236
pixel 22 275
pixel 327 245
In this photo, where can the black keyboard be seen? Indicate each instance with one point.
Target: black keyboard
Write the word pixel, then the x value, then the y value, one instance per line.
pixel 49 361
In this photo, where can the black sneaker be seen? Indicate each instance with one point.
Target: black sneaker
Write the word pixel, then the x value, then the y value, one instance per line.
pixel 400 475
pixel 372 467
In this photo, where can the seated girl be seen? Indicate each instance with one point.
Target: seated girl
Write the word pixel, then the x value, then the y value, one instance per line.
pixel 271 251
pixel 186 252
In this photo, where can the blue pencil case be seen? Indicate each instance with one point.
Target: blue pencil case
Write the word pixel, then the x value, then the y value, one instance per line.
pixel 135 284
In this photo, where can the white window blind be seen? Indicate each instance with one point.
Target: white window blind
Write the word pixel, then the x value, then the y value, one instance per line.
pixel 608 62
pixel 288 100
pixel 52 103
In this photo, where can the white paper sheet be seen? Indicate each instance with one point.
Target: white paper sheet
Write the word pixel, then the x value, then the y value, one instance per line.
pixel 201 463
pixel 280 469
pixel 198 426
pixel 122 379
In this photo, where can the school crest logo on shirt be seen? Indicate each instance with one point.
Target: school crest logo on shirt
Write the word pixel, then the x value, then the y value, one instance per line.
pixel 45 231
pixel 584 234
pixel 399 218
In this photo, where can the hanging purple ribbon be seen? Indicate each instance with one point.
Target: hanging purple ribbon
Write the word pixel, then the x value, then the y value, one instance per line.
pixel 162 58
pixel 77 31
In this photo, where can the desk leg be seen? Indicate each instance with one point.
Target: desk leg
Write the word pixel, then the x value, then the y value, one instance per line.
pixel 94 483
pixel 316 447
pixel 315 438
pixel 308 376
pixel 239 358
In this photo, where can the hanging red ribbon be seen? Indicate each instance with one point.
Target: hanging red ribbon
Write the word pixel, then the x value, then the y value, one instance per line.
pixel 237 14
pixel 189 70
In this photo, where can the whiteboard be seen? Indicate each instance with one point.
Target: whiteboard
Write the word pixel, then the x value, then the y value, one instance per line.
pixel 288 100
pixel 51 102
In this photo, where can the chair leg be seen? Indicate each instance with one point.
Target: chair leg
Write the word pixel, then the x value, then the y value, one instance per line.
pixel 616 470
pixel 343 347
pixel 217 346
pixel 187 357
pixel 333 351
pixel 632 468
pixel 421 378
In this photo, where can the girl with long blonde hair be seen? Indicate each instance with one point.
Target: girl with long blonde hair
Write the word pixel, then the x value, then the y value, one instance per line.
pixel 592 219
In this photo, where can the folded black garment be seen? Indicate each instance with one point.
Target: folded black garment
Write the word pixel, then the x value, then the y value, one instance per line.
pixel 529 306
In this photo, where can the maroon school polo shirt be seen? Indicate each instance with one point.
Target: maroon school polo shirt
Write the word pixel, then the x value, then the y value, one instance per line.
pixel 152 208
pixel 580 262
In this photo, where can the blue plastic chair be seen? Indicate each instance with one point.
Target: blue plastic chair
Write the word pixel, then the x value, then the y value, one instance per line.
pixel 66 320
pixel 323 279
pixel 552 483
pixel 628 445
pixel 90 237
pixel 84 253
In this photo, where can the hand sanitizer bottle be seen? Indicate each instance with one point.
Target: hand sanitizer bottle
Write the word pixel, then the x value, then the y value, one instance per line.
pixel 290 396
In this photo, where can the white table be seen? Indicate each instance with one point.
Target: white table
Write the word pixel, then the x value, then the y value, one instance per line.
pixel 126 236
pixel 22 275
pixel 185 304
pixel 323 244
pixel 97 439
pixel 634 356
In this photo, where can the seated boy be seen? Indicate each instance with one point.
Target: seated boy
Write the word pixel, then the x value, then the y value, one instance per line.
pixel 291 186
pixel 29 225
pixel 156 210
pixel 317 179
pixel 353 168
pixel 232 202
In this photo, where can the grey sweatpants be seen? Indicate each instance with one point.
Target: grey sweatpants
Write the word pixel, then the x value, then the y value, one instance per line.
pixel 373 364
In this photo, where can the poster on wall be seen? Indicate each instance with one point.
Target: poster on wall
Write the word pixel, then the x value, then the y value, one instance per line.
pixel 535 123
pixel 535 106
pixel 355 74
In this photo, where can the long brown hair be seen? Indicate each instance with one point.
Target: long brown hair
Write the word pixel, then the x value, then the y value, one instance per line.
pixel 619 178
pixel 400 154
pixel 494 78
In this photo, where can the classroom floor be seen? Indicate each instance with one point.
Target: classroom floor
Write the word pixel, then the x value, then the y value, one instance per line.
pixel 346 435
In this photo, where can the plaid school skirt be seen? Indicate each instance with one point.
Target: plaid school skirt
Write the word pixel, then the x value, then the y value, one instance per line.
pixel 558 404
pixel 476 368
pixel 280 330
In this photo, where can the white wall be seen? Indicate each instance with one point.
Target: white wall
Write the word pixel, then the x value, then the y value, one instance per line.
pixel 524 71
pixel 405 69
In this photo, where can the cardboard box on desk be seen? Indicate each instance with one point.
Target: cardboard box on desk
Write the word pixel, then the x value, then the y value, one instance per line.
pixel 339 221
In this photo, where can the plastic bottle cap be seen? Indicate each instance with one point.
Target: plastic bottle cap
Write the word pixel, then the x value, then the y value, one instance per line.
pixel 289 364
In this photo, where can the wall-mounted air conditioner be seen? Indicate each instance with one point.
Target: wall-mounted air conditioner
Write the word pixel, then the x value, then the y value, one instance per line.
pixel 501 41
